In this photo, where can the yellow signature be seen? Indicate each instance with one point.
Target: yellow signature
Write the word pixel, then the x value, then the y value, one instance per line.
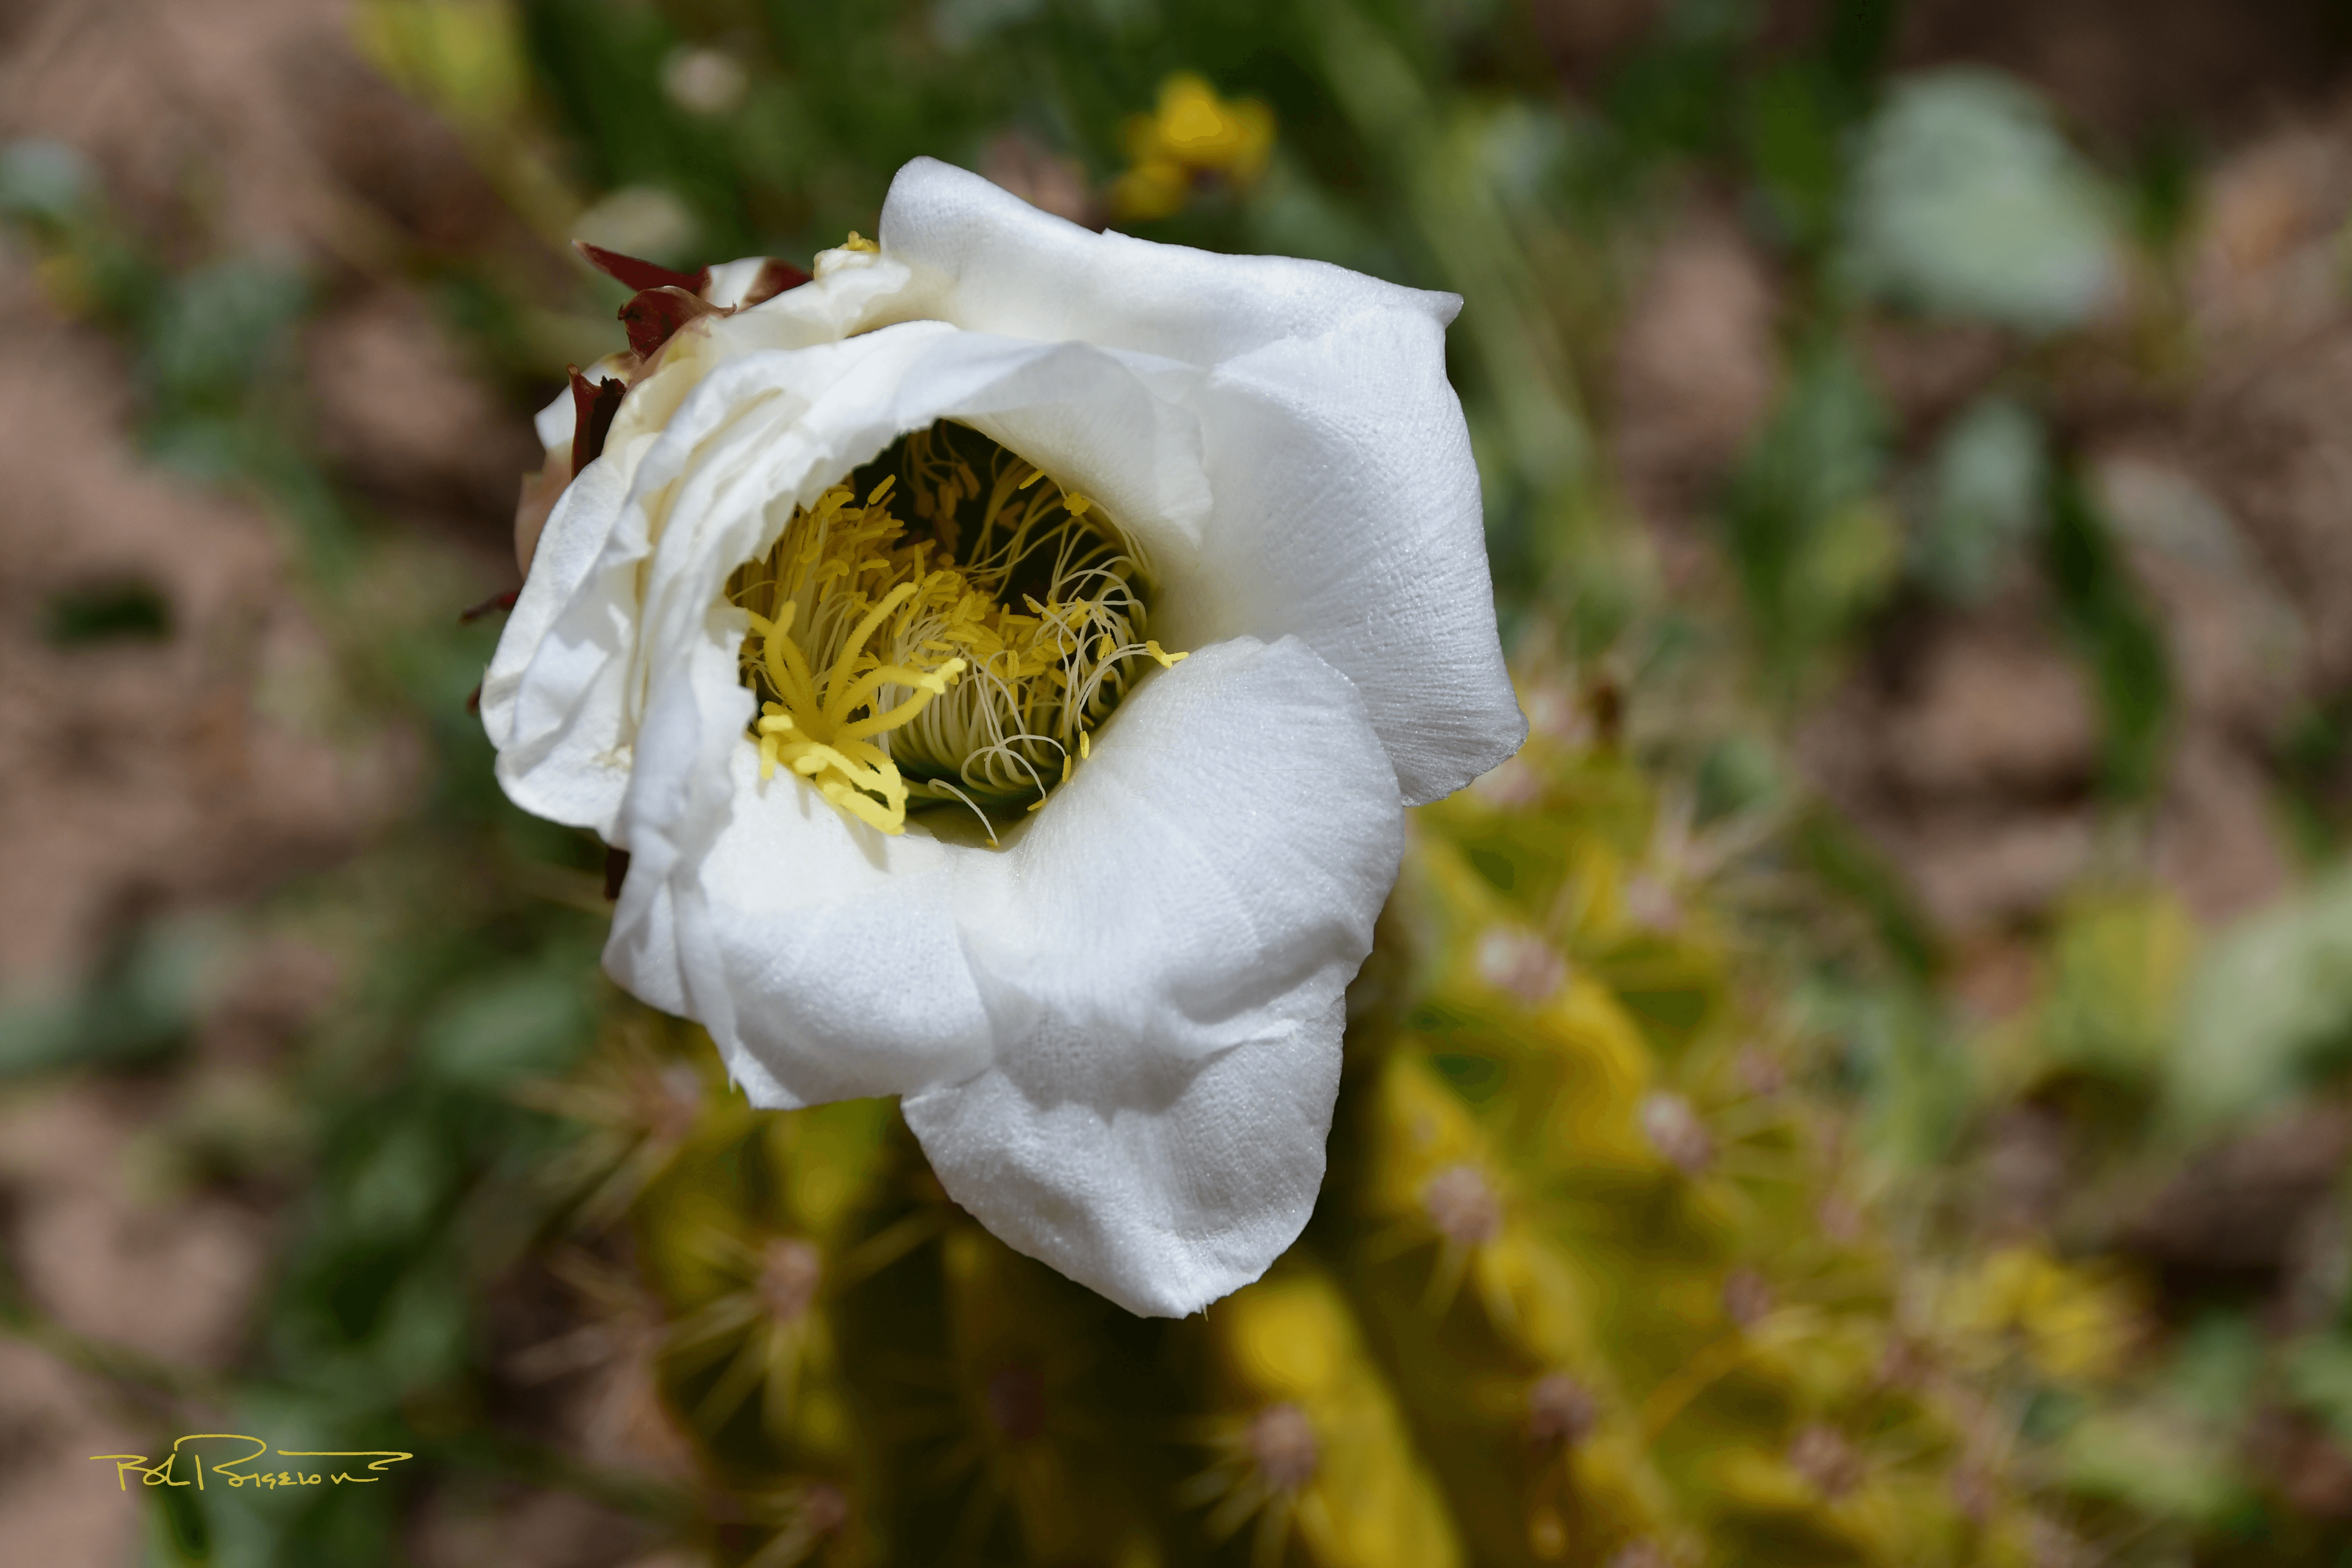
pixel 232 1470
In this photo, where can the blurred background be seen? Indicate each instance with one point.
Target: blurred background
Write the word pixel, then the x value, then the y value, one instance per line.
pixel 1865 1086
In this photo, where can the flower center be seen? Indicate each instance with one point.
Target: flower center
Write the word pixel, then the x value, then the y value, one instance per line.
pixel 963 654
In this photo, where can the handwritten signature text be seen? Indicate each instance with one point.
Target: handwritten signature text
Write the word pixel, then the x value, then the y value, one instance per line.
pixel 203 1452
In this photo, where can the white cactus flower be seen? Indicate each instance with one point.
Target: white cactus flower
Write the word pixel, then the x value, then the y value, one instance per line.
pixel 1006 660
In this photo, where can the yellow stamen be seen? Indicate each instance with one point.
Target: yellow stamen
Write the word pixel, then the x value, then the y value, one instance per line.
pixel 1063 780
pixel 895 669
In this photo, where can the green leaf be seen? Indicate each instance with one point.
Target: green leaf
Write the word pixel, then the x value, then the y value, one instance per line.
pixel 140 1004
pixel 44 180
pixel 2153 1461
pixel 1984 496
pixel 514 1025
pixel 2270 1009
pixel 2117 969
pixel 219 330
pixel 2100 603
pixel 1969 203
pixel 2318 1374
pixel 1812 541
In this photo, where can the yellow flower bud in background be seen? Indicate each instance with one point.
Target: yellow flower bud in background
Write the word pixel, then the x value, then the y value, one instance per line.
pixel 1193 133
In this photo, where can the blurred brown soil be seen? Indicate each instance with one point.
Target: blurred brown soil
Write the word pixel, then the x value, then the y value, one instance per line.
pixel 2124 69
pixel 54 1503
pixel 2258 1205
pixel 1697 369
pixel 2225 474
pixel 154 776
pixel 2121 70
pixel 141 777
pixel 1965 742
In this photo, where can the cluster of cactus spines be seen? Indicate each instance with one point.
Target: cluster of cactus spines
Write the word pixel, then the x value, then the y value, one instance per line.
pixel 1587 1285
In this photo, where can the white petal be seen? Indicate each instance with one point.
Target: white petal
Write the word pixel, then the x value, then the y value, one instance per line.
pixel 1348 514
pixel 729 281
pixel 553 423
pixel 988 261
pixel 1345 508
pixel 821 955
pixel 1178 1185
pixel 564 693
pixel 1163 957
pixel 838 302
pixel 551 698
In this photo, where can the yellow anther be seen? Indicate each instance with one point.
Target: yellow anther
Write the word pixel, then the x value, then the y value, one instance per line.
pixel 1167 661
pixel 892 670
pixel 1057 782
pixel 857 241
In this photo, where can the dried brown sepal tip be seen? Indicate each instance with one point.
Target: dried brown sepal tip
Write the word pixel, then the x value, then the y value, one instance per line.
pixel 653 315
pixel 775 277
pixel 667 298
pixel 495 602
pixel 593 404
pixel 616 871
pixel 640 275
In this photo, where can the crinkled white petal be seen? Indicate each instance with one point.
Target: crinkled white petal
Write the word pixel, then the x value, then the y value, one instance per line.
pixel 990 262
pixel 786 929
pixel 823 956
pixel 563 696
pixel 840 300
pixel 630 578
pixel 551 700
pixel 1164 958
pixel 1348 514
pixel 1346 505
